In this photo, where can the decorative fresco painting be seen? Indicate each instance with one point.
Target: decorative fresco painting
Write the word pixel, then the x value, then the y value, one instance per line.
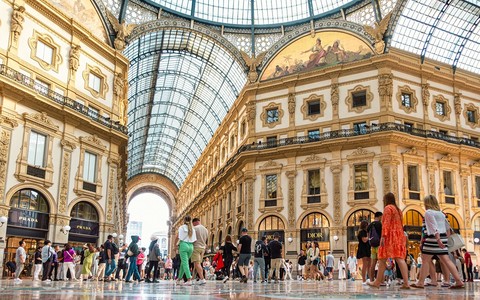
pixel 326 48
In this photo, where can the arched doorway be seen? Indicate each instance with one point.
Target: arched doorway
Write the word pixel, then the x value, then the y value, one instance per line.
pixel 413 226
pixel 269 225
pixel 28 220
pixel 353 224
pixel 84 224
pixel 453 222
pixel 315 227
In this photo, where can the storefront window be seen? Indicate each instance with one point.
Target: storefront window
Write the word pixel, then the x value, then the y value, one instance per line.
pixel 315 227
pixel 453 222
pixel 269 226
pixel 84 224
pixel 413 226
pixel 85 211
pixel 30 200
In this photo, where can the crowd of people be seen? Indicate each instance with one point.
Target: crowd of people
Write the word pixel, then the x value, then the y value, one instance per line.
pixel 382 250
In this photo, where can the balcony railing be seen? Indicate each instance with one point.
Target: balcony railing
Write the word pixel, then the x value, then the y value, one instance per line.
pixel 59 98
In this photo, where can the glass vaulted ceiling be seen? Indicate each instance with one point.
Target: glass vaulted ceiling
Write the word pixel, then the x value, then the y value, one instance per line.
pixel 181 86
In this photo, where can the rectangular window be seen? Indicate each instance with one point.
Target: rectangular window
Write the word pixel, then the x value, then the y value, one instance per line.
pixel 313 182
pixel 471 116
pixel 408 126
pixel 272 115
pixel 314 107
pixel 232 142
pixel 440 108
pixel 271 141
pixel 361 177
pixel 406 99
pixel 44 52
pixel 271 184
pixel 444 132
pixel 229 201
pixel 94 82
pixel 243 128
pixel 413 178
pixel 90 167
pixel 360 128
pixel 359 99
pixel 36 149
pixel 477 187
pixel 93 112
pixel 240 194
pixel 314 134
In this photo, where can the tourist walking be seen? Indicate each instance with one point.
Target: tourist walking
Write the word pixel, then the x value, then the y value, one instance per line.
pixel 468 264
pixel 275 248
pixel 154 256
pixel 435 243
pixel 393 243
pixel 199 249
pixel 364 250
pixel 301 261
pixel 88 257
pixel 186 238
pixel 132 254
pixel 245 250
pixel 69 262
pixel 102 263
pixel 341 269
pixel 352 267
pixel 47 258
pixel 20 257
pixel 227 253
pixel 259 261
pixel 110 257
pixel 374 233
pixel 329 263
pixel 37 263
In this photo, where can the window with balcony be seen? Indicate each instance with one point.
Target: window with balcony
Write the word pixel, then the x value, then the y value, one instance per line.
pixel 407 100
pixel 361 182
pixel 313 107
pixel 271 141
pixel 44 52
pixel 413 182
pixel 313 186
pixel 360 128
pixel 359 98
pixel 271 190
pixel 314 135
pixel 42 87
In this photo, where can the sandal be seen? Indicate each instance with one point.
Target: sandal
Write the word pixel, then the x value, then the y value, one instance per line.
pixel 429 284
pixel 370 284
pixel 414 285
pixel 457 286
pixel 444 284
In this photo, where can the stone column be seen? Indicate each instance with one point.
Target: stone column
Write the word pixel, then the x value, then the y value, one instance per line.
pixel 111 191
pixel 390 175
pixel 336 227
pixel 67 148
pixel 467 201
pixel 250 211
pixel 291 230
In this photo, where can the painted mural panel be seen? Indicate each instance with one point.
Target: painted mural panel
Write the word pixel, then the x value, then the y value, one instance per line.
pixel 85 13
pixel 326 48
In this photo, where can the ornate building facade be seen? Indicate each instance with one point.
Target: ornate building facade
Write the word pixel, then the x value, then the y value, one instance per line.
pixel 62 126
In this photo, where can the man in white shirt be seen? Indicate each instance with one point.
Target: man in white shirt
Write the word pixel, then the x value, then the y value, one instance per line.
pixel 199 248
pixel 330 261
pixel 20 257
pixel 352 266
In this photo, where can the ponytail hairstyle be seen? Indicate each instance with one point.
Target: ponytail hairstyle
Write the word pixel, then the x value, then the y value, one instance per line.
pixel 188 222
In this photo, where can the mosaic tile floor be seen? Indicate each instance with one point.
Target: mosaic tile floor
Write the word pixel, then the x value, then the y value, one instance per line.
pixel 217 290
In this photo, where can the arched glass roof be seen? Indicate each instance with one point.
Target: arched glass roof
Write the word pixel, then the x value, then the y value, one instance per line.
pixel 443 30
pixel 252 12
pixel 181 86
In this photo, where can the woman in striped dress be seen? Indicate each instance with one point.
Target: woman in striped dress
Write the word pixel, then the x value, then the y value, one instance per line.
pixel 435 243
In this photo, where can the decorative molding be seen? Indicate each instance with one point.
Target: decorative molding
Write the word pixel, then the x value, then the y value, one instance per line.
pixel 476 110
pixel 457 104
pixel 103 81
pixel 93 141
pixel 263 115
pixel 291 198
pixel 41 119
pixel 385 89
pixel 8 121
pixel 448 109
pixel 360 152
pixel 68 144
pixel 304 108
pixel 447 158
pixel 413 99
pixel 16 23
pixel 57 58
pixel 74 58
pixel 337 194
pixel 349 99
pixel 5 136
pixel 64 179
pixel 425 94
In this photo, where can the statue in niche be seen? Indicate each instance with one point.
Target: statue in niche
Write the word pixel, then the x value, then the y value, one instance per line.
pixel 377 32
pixel 123 31
pixel 74 57
pixel 16 24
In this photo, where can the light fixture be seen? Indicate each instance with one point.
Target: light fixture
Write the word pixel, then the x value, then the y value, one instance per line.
pixel 65 229
pixel 335 238
pixel 290 239
pixel 120 237
pixel 3 220
pixel 476 240
pixel 114 235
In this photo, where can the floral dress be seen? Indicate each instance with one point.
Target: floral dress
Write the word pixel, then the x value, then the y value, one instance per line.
pixel 392 232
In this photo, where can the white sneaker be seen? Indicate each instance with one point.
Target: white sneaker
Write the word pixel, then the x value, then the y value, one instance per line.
pixel 17 280
pixel 48 280
pixel 225 279
pixel 202 282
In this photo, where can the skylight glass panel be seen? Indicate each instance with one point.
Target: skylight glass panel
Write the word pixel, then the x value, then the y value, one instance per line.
pixel 280 11
pixel 322 6
pixel 225 11
pixel 182 6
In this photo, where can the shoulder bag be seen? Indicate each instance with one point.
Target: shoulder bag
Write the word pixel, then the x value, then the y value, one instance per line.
pixel 455 242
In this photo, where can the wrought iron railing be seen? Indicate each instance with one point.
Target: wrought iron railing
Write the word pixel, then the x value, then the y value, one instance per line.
pixel 59 98
pixel 336 134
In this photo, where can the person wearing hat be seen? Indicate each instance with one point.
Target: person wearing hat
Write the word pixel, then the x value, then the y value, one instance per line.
pixel 132 253
pixel 154 256
pixel 244 248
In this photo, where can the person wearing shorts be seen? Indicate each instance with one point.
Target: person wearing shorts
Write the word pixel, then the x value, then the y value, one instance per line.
pixel 244 248
pixel 199 249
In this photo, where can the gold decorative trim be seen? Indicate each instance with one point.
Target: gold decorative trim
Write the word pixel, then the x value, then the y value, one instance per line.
pixel 263 115
pixel 448 109
pixel 413 99
pixel 314 162
pixel 476 110
pixel 369 99
pixel 271 168
pixel 93 145
pixel 48 41
pixel 311 98
pixel 103 81
pixel 361 156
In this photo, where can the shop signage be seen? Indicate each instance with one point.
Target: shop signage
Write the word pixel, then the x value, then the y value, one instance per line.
pixel 315 234
pixel 414 232
pixel 27 218
pixel 78 226
pixel 269 235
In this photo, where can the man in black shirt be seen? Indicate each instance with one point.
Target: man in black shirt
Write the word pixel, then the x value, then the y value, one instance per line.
pixel 276 255
pixel 244 248
pixel 302 258
pixel 260 250
pixel 110 256
pixel 377 226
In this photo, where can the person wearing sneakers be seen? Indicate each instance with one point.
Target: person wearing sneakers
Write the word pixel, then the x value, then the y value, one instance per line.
pixel 186 238
pixel 244 248
pixel 276 254
pixel 47 258
pixel 20 257
pixel 199 249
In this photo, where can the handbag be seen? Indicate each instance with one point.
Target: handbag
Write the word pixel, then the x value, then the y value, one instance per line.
pixel 455 242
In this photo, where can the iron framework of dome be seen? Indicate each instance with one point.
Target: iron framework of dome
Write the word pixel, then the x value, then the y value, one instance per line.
pixel 182 83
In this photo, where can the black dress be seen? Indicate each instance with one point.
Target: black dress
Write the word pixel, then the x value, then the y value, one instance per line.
pixel 364 249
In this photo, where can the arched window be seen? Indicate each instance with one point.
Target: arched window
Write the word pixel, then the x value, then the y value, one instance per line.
pixel 412 218
pixel 229 230
pixel 354 220
pixel 271 223
pixel 29 199
pixel 85 211
pixel 453 222
pixel 314 220
pixel 220 237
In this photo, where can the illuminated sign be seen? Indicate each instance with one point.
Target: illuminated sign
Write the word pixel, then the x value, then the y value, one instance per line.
pixel 79 226
pixel 27 218
pixel 315 235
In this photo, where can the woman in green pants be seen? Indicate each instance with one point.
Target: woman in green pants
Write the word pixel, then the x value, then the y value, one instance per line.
pixel 186 237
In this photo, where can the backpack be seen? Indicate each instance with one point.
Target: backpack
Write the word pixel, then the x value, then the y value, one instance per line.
pixel 373 237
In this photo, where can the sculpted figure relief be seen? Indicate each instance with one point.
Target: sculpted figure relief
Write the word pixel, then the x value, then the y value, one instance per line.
pixel 377 32
pixel 16 24
pixel 252 63
pixel 123 31
pixel 74 57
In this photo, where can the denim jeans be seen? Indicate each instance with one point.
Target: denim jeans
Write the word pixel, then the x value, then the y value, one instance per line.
pixel 133 269
pixel 110 268
pixel 259 262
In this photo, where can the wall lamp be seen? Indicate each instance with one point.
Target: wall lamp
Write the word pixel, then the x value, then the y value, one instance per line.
pixel 65 229
pixel 114 235
pixel 476 240
pixel 335 238
pixel 3 220
pixel 290 239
